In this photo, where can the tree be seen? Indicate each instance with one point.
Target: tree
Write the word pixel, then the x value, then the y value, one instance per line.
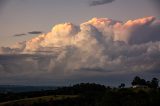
pixel 138 81
pixel 122 85
pixel 154 83
pixel 148 83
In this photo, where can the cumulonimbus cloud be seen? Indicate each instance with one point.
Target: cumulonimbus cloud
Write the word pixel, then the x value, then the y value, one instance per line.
pixel 100 2
pixel 100 46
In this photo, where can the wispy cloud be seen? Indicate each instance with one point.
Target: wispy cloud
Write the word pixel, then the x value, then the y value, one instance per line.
pixel 100 2
pixel 23 34
pixel 28 33
pixel 35 32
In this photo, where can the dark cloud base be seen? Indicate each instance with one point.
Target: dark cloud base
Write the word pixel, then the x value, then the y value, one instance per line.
pixel 111 80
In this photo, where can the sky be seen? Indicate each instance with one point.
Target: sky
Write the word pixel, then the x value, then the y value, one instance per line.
pixel 22 16
pixel 57 42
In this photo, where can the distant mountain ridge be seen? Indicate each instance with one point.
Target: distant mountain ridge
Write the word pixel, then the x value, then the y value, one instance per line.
pixel 24 88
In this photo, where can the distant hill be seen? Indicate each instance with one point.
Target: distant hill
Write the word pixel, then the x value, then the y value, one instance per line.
pixel 22 88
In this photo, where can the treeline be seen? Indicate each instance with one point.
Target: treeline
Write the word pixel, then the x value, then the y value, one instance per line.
pixel 154 83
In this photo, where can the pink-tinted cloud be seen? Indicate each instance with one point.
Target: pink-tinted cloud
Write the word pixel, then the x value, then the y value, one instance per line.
pixel 100 46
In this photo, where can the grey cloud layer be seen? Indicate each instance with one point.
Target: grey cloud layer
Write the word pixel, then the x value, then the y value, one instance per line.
pixel 99 47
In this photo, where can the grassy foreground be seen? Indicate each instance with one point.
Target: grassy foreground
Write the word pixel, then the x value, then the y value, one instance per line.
pixel 36 100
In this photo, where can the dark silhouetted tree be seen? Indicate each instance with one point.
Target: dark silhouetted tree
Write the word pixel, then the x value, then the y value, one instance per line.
pixel 122 85
pixel 148 83
pixel 138 81
pixel 154 83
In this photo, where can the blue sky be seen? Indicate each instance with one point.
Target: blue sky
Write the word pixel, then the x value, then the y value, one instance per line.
pixel 21 16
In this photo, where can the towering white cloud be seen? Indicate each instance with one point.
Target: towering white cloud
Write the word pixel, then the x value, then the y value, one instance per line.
pixel 132 32
pixel 97 47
